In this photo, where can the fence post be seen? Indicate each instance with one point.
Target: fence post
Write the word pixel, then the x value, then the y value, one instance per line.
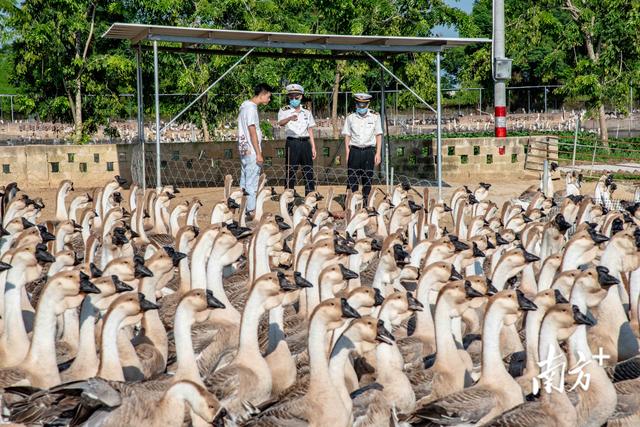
pixel 593 158
pixel 575 143
pixel 390 186
pixel 545 177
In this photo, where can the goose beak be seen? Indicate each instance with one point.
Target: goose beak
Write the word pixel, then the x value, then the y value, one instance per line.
pixel 409 285
pixel 400 254
pixel 89 198
pixel 285 285
pixel 470 291
pixel 300 281
pixel 605 279
pixel 376 246
pixel 145 304
pixel 286 248
pixel 46 236
pixel 383 335
pixel 44 256
pixel 477 253
pixel 524 303
pixel 597 237
pixel 213 302
pixel 142 271
pixel 347 274
pixel 414 207
pixel 582 319
pixel 378 299
pixel 86 286
pixel 500 240
pixel 446 208
pixel 489 244
pixel 218 421
pixel 120 285
pixel 562 223
pixel 348 311
pixel 26 223
pixel 459 246
pixel 3 232
pixel 560 299
pixel 344 249
pixel 414 304
pixel 529 257
pixel 232 204
pixel 121 181
pixel 454 274
pixel 95 271
pixel 526 219
pixel 176 190
pixel 133 234
pixel 491 290
pixel 4 266
pixel 281 224
pixel 117 197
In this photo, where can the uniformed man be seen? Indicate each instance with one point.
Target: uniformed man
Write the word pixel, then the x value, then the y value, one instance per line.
pixel 300 146
pixel 363 140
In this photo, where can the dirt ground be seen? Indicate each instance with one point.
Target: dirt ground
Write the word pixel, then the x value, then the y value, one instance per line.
pixel 501 190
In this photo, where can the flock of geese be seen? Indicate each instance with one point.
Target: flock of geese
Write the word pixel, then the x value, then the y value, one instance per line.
pixel 126 309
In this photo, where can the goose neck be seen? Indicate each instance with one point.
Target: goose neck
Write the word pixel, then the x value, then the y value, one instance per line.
pixel 187 365
pixel 201 253
pixel 276 328
pixel 318 353
pixel 14 323
pixel 337 364
pixel 634 292
pixel 355 264
pixel 110 366
pixel 87 355
pixel 492 366
pixel 214 273
pixel 61 211
pixel 532 330
pixel 445 343
pixel 314 267
pixel 42 353
pixel 550 351
pixel 253 310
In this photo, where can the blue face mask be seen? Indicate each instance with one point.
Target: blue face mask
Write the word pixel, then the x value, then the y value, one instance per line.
pixel 295 103
pixel 362 111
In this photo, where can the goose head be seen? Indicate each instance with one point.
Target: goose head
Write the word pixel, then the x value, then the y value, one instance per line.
pixel 110 287
pixel 126 268
pixel 441 250
pixel 65 187
pixel 564 281
pixel 482 285
pixel 32 235
pixel 513 262
pixel 333 312
pixel 227 246
pixel 458 294
pixel 202 402
pixel 365 297
pixel 510 303
pixel 132 305
pixel 594 283
pixel 335 277
pixel 546 299
pixel 200 302
pixel 622 251
pixel 565 318
pixel 399 306
pixel 16 225
pixel 67 258
pixel 186 237
pixel 67 289
pixel 366 333
pixel 367 249
pixel 361 219
pixel 221 213
pixel 438 274
pixel 271 289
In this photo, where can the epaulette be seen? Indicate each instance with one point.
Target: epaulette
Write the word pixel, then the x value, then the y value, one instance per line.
pixel 286 107
pixel 373 112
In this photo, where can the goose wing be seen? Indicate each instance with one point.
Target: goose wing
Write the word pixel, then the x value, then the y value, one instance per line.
pixel 628 405
pixel 421 381
pixel 466 406
pixel 626 370
pixel 530 414
pixel 11 376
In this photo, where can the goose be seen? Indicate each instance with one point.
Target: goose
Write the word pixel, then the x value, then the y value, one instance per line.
pixel 496 391
pixel 553 407
pixel 248 378
pixel 39 368
pixel 86 361
pixel 161 409
pixel 78 205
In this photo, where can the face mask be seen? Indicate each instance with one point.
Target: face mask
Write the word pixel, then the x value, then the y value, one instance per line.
pixel 295 103
pixel 362 111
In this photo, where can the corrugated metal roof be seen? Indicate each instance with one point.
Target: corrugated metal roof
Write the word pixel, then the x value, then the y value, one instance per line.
pixel 138 32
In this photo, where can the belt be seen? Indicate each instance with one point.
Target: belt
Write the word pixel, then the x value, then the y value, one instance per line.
pixel 299 138
pixel 353 147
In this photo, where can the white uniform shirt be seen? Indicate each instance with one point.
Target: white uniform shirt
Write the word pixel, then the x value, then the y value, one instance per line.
pixel 296 128
pixel 248 116
pixel 362 129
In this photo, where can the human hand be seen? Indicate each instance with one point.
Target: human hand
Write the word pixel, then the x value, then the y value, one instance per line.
pixel 294 117
pixel 313 152
pixel 259 159
pixel 377 159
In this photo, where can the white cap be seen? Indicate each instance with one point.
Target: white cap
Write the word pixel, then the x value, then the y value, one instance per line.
pixel 295 88
pixel 362 97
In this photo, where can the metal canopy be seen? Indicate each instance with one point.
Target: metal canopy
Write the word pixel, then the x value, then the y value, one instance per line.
pixel 139 32
pixel 191 37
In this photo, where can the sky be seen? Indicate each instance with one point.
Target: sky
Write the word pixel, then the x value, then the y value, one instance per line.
pixel 465 5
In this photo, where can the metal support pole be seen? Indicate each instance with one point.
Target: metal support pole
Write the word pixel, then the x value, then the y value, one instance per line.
pixel 480 103
pixel 439 126
pixel 545 99
pixel 385 138
pixel 545 177
pixel 140 114
pixel 11 98
pixel 528 101
pixel 575 143
pixel 157 101
pixel 500 103
pixel 207 89
pixel 593 158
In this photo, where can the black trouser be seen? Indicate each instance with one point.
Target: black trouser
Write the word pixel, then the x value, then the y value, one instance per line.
pixel 360 169
pixel 298 152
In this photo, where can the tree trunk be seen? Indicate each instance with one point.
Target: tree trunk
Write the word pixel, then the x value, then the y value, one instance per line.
pixel 604 132
pixel 77 117
pixel 334 103
pixel 205 126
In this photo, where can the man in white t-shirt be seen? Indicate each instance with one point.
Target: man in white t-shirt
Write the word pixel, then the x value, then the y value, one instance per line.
pixel 362 133
pixel 250 143
pixel 300 145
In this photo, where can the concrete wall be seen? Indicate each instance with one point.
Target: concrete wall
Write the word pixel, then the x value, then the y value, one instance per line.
pixel 195 164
